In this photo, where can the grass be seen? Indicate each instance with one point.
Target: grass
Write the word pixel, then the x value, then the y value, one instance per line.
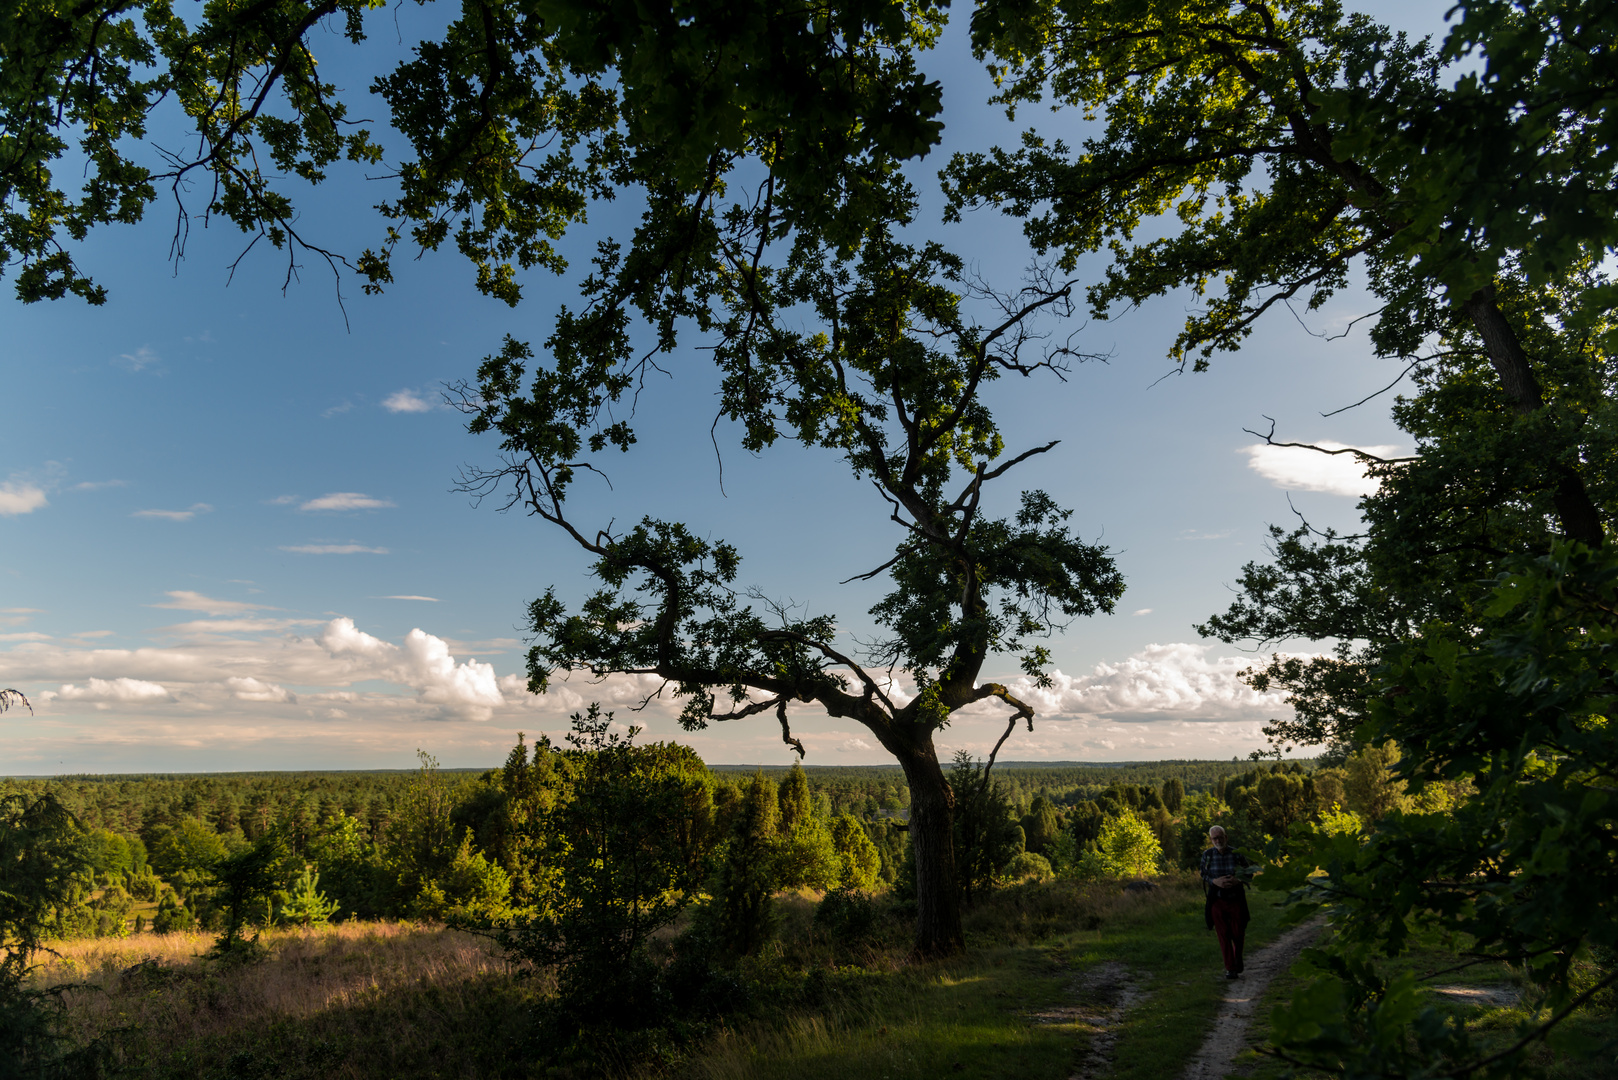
pixel 1022 1002
pixel 1059 979
pixel 358 1000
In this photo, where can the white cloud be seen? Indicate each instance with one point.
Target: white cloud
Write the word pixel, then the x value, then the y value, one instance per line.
pixel 186 600
pixel 1177 680
pixel 174 515
pixel 250 689
pixel 423 663
pixel 142 357
pixel 853 746
pixel 1143 611
pixel 337 410
pixel 334 549
pixel 429 599
pixel 20 498
pixel 345 500
pixel 209 671
pixel 120 689
pixel 281 500
pixel 97 485
pixel 406 401
pixel 1302 469
pixel 27 635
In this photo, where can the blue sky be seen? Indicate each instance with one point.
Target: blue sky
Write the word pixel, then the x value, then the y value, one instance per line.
pixel 230 539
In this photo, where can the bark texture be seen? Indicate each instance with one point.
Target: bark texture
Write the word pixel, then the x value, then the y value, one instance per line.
pixel 932 837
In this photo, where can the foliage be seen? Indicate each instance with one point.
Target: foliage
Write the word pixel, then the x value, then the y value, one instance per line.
pixel 1028 865
pixel 305 904
pixel 859 861
pixel 987 834
pixel 1523 868
pixel 740 914
pixel 1040 825
pixel 250 875
pixel 42 854
pixel 1173 794
pixel 848 914
pixel 620 876
pixel 1127 847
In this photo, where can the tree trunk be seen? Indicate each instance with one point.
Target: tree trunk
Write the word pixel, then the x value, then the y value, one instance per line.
pixel 1578 514
pixel 932 815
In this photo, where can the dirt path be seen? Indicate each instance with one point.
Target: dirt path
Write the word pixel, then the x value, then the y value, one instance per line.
pixel 1229 1034
pixel 1102 996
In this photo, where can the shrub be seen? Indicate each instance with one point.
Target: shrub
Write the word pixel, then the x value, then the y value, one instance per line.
pixel 860 864
pixel 1029 866
pixel 1129 845
pixel 847 915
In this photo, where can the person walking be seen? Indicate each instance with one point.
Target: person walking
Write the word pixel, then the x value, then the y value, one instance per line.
pixel 1225 907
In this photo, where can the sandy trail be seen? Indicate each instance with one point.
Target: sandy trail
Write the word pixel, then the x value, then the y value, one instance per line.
pixel 1229 1034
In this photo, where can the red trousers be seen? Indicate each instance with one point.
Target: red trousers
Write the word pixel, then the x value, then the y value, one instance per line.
pixel 1228 925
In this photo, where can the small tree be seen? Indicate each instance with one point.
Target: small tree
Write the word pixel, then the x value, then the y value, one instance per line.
pixel 1129 846
pixel 305 904
pixel 987 834
pixel 1040 825
pixel 860 864
pixel 741 913
pixel 1173 794
pixel 619 873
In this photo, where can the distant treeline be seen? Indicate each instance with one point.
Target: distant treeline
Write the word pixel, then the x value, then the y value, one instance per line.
pixel 251 803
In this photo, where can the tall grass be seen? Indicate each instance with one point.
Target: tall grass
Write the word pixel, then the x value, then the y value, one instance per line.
pixel 356 1000
pixel 399 1000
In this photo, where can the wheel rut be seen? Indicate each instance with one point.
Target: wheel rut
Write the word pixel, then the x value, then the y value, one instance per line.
pixel 1228 1036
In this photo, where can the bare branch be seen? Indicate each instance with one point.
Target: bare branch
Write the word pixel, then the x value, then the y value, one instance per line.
pixel 1269 440
pixel 1408 368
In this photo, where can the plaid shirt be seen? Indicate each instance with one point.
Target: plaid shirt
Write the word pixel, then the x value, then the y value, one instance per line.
pixel 1218 864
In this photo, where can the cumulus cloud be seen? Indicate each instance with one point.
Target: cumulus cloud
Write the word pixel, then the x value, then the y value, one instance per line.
pixel 345 500
pixel 333 549
pixel 110 690
pixel 1178 680
pixel 174 515
pixel 18 498
pixel 1143 611
pixel 424 663
pixel 250 689
pixel 855 745
pixel 186 600
pixel 210 671
pixel 406 401
pixel 1300 469
pixel 27 635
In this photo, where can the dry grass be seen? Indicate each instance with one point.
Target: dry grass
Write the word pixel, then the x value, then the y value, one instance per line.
pixel 354 1000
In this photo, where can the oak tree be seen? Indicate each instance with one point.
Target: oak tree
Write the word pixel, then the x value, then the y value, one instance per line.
pixel 765 146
